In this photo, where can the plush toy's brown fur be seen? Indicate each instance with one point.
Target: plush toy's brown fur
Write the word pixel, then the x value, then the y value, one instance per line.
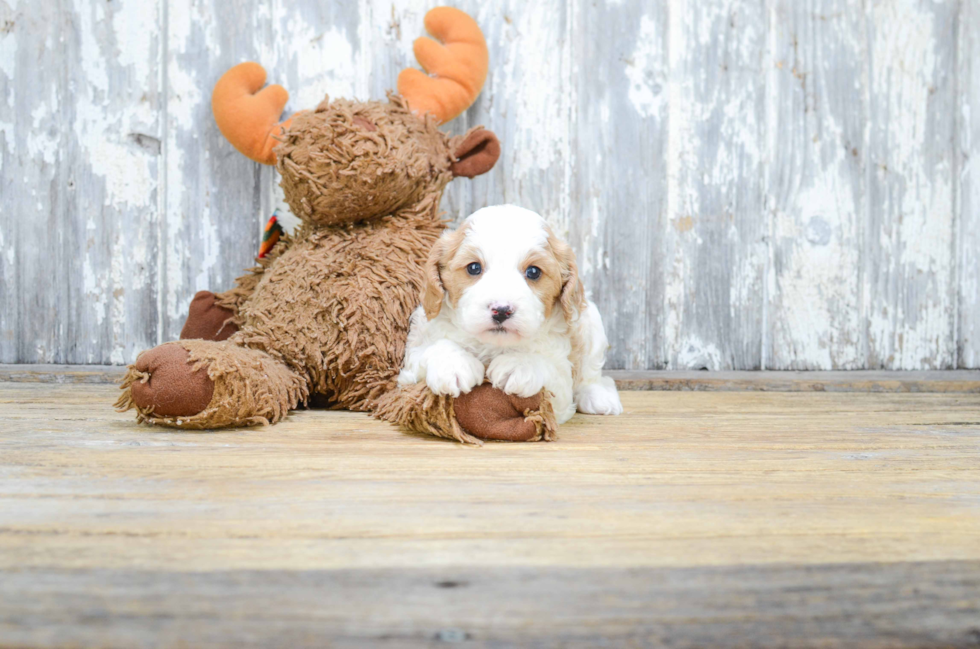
pixel 327 311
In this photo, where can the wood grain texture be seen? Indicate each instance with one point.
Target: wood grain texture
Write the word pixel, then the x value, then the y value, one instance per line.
pixel 967 178
pixel 915 605
pixel 748 184
pixel 619 181
pixel 816 187
pixel 908 249
pixel 695 519
pixel 81 127
pixel 714 239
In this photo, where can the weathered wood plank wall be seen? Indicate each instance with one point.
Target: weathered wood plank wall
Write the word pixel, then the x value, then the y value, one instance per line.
pixel 748 183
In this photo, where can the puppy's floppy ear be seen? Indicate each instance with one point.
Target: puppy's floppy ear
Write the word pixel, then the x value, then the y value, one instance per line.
pixel 572 297
pixel 443 250
pixel 433 290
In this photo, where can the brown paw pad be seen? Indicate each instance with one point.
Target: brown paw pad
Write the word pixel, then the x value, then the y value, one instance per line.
pixel 173 389
pixel 206 320
pixel 488 413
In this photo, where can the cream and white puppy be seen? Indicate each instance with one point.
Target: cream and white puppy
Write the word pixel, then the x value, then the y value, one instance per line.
pixel 503 301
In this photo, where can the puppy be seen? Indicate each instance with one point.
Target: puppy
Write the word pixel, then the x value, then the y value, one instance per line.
pixel 503 302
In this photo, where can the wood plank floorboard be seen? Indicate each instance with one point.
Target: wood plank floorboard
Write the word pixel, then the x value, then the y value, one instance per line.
pixel 695 519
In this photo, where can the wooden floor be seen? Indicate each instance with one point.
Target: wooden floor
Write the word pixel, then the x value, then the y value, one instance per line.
pixel 695 519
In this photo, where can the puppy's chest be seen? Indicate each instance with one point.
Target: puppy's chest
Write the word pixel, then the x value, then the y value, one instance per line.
pixel 554 348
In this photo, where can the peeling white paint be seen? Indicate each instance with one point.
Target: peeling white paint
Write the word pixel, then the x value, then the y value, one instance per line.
pixel 100 125
pixel 186 97
pixel 43 137
pixel 645 71
pixel 94 289
pixel 816 201
pixel 910 314
pixel 8 54
pixel 864 250
pixel 696 354
pixel 134 26
pixel 968 184
pixel 715 256
pixel 324 62
pixel 533 93
pixel 8 74
pixel 816 288
pixel 92 57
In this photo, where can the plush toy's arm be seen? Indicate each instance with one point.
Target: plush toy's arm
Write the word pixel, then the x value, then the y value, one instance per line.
pixel 483 413
pixel 248 114
pixel 245 285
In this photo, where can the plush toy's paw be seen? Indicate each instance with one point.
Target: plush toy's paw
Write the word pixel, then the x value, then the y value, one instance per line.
pixel 208 321
pixel 488 413
pixel 599 398
pixel 171 386
pixel 451 371
pixel 517 374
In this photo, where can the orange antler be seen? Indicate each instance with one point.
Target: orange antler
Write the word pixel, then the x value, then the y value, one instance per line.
pixel 458 65
pixel 247 114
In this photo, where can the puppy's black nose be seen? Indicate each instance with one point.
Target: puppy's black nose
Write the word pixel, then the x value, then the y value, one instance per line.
pixel 501 313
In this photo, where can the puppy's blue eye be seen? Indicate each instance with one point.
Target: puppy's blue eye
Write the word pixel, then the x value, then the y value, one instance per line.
pixel 475 268
pixel 532 272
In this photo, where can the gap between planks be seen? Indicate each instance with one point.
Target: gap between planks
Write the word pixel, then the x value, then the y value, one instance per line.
pixel 941 381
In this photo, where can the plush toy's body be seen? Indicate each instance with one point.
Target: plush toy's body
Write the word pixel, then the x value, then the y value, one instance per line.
pixel 327 312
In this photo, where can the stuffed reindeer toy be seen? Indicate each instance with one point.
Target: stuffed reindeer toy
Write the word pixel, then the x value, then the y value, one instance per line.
pixel 326 313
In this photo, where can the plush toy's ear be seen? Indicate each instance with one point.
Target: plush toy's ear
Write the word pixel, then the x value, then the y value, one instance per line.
pixel 572 296
pixel 476 153
pixel 248 114
pixel 456 66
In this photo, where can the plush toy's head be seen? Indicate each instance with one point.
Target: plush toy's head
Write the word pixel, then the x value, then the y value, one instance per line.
pixel 349 161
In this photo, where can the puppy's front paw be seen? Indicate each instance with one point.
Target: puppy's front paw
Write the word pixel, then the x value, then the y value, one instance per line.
pixel 452 372
pixel 600 398
pixel 517 374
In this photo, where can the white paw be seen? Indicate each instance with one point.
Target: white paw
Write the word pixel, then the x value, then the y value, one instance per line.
pixel 517 374
pixel 600 398
pixel 452 372
pixel 407 377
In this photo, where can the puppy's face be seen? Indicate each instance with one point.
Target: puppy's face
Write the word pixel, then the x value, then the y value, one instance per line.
pixel 503 272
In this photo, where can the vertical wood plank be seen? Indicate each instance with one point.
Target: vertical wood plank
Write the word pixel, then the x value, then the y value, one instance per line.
pixel 216 199
pixel 815 189
pixel 83 150
pixel 113 177
pixel 967 179
pixel 25 39
pixel 909 244
pixel 618 180
pixel 715 250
